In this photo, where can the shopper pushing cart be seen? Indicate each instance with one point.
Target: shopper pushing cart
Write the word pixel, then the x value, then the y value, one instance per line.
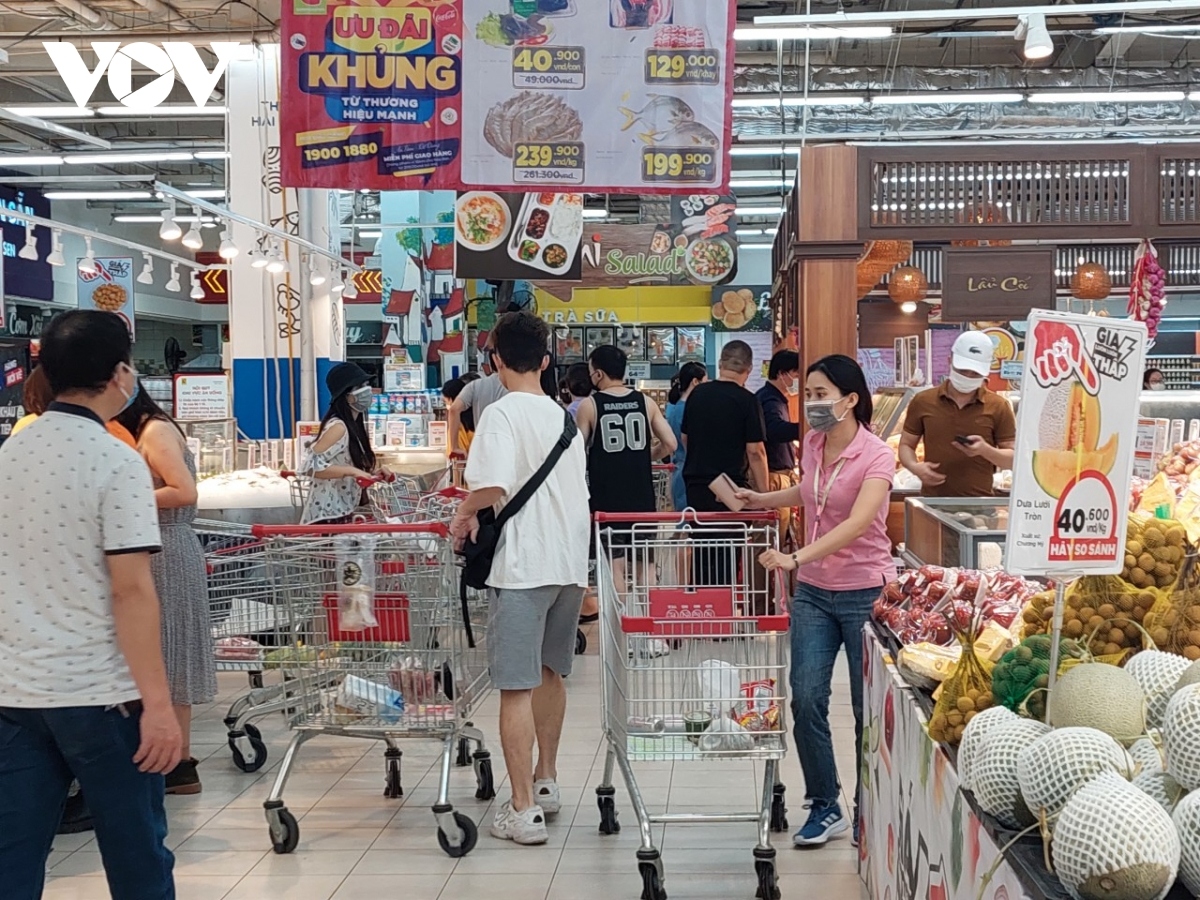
pixel 719 695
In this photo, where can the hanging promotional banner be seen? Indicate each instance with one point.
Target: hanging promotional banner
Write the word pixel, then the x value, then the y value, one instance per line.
pixel 371 94
pixel 108 288
pixel 624 96
pixel 508 237
pixel 1075 445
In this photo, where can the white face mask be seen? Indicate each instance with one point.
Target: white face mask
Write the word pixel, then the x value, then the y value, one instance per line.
pixel 793 388
pixel 1158 386
pixel 964 384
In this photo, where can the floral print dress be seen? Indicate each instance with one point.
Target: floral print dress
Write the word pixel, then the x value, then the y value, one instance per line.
pixel 330 498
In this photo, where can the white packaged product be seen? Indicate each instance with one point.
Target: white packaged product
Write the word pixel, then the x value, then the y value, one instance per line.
pixel 359 697
pixel 356 582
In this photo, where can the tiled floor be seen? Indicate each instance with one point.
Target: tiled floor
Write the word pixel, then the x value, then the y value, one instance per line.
pixel 357 845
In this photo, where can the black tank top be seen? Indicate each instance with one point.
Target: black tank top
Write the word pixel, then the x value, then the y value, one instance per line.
pixel 619 474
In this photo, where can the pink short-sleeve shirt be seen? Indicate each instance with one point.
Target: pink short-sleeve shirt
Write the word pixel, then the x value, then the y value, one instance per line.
pixel 867 562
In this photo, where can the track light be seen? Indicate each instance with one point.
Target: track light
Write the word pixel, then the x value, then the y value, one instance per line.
pixel 192 240
pixel 147 276
pixel 228 249
pixel 351 291
pixel 315 276
pixel 197 291
pixel 29 251
pixel 257 258
pixel 55 257
pixel 1032 29
pixel 173 284
pixel 339 285
pixel 169 230
pixel 87 265
pixel 275 263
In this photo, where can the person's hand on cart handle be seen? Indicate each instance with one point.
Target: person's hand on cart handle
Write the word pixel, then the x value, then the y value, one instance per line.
pixel 458 455
pixel 161 745
pixel 775 559
pixel 385 474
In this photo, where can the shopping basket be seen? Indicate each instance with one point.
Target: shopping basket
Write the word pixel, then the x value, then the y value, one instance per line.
pixel 695 664
pixel 384 647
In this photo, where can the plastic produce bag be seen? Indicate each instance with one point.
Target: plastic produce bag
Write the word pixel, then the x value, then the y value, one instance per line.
pixel 720 686
pixel 963 695
pixel 1174 625
pixel 725 736
pixel 356 582
pixel 1020 678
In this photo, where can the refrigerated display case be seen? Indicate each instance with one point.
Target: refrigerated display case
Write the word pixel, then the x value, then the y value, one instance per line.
pixel 968 532
pixel 214 442
pixel 1173 405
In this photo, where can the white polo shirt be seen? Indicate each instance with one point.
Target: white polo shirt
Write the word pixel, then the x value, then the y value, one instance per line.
pixel 70 494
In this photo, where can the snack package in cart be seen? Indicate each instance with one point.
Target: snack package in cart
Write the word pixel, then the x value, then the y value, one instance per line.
pixel 356 582
pixel 360 697
pixel 758 710
pixel 415 683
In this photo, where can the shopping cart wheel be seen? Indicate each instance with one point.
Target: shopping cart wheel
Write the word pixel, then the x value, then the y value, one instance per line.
pixel 652 878
pixel 768 886
pixel 580 642
pixel 285 830
pixel 394 788
pixel 464 752
pixel 779 820
pixel 608 812
pixel 470 835
pixel 258 750
pixel 484 780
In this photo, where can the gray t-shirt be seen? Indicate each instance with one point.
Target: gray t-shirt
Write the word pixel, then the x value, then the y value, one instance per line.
pixel 478 395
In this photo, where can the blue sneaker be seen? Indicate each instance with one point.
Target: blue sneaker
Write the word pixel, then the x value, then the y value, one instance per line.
pixel 824 822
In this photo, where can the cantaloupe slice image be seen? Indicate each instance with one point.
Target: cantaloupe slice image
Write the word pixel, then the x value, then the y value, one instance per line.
pixel 1055 469
pixel 1070 419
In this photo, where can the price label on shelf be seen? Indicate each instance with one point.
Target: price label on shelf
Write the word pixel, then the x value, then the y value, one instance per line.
pixel 662 165
pixel 1085 522
pixel 560 162
pixel 682 67
pixel 548 67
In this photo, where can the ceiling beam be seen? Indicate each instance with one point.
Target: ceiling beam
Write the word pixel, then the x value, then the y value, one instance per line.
pixel 999 12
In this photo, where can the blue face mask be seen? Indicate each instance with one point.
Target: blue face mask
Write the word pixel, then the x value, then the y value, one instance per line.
pixel 129 398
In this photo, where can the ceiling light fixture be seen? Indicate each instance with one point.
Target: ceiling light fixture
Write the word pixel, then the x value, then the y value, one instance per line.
pixel 351 292
pixel 169 230
pixel 147 274
pixel 1114 96
pixel 315 276
pixel 208 194
pixel 29 251
pixel 228 249
pixel 98 195
pixel 258 259
pixel 191 111
pixel 211 154
pixel 192 240
pixel 763 99
pixel 595 214
pixel 370 235
pixel 1032 30
pixel 948 98
pixel 55 256
pixel 197 292
pixel 173 283
pixel 814 33
pixel 132 219
pixel 87 265
pixel 763 150
pixel 758 183
pixel 129 156
pixel 338 285
pixel 31 159
pixel 275 262
pixel 52 112
pixel 908 306
pixel 755 246
pixel 758 211
pixel 1147 29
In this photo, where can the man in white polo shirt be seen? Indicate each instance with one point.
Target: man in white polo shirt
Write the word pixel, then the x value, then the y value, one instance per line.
pixel 83 690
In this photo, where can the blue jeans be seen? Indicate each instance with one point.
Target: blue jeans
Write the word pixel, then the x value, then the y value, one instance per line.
pixel 822 622
pixel 40 751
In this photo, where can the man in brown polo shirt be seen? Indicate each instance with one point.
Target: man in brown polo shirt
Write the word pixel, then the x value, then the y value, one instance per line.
pixel 968 431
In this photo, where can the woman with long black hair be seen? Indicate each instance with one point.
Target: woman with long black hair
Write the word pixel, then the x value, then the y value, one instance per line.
pixel 179 572
pixel 689 375
pixel 845 561
pixel 342 452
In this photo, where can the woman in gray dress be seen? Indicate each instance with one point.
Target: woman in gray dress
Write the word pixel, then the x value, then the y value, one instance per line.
pixel 179 573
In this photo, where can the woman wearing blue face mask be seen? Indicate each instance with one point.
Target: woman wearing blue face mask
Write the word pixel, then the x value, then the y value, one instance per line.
pixel 846 476
pixel 342 452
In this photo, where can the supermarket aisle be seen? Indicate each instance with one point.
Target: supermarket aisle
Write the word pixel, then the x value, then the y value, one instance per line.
pixel 356 845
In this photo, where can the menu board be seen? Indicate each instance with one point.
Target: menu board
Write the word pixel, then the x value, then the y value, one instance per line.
pixel 602 95
pixel 1075 445
pixel 509 237
pixel 606 96
pixel 108 288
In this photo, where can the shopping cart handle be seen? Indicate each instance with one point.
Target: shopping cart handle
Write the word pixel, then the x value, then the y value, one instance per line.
pixel 438 529
pixel 700 627
pixel 663 467
pixel 370 482
pixel 287 473
pixel 688 515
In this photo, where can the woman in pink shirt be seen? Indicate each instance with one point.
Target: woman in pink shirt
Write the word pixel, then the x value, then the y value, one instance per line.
pixel 846 477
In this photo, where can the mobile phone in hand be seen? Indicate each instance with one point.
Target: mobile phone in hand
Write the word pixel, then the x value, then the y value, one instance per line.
pixel 962 439
pixel 724 490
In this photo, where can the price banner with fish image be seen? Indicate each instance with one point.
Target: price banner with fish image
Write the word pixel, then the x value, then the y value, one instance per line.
pixel 371 94
pixel 1075 445
pixel 605 95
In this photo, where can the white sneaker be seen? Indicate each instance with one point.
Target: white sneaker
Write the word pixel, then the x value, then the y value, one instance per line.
pixel 547 796
pixel 527 827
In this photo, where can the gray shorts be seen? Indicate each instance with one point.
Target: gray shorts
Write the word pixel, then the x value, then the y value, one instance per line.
pixel 529 628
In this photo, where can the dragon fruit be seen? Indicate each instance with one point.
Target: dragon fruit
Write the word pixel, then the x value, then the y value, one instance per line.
pixel 1147 288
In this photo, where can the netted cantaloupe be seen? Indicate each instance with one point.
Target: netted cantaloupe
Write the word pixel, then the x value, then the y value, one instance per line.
pixel 1151 776
pixel 1158 673
pixel 994 773
pixel 975 737
pixel 1112 842
pixel 1191 675
pixel 1187 824
pixel 1096 695
pixel 1056 765
pixel 1181 737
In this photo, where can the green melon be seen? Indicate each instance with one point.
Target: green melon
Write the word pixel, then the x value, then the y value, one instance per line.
pixel 1096 695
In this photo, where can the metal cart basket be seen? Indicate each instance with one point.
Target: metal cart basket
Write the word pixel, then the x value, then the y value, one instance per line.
pixel 695 664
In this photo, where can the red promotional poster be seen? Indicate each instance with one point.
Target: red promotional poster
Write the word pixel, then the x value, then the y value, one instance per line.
pixel 371 94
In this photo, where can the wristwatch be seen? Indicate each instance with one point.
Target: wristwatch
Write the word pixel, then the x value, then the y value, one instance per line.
pixel 796 559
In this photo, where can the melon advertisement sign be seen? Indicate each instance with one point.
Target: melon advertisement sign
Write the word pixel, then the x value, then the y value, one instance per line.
pixel 1076 430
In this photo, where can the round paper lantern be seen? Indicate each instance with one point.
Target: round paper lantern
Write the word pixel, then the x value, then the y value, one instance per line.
pixel 1091 281
pixel 907 284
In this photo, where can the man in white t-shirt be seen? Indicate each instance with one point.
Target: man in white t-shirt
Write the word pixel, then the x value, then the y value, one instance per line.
pixel 539 571
pixel 83 690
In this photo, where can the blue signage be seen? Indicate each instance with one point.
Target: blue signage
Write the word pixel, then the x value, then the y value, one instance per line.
pixel 29 278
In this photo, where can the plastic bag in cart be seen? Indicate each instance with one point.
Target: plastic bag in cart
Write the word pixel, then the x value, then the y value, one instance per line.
pixel 356 582
pixel 720 686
